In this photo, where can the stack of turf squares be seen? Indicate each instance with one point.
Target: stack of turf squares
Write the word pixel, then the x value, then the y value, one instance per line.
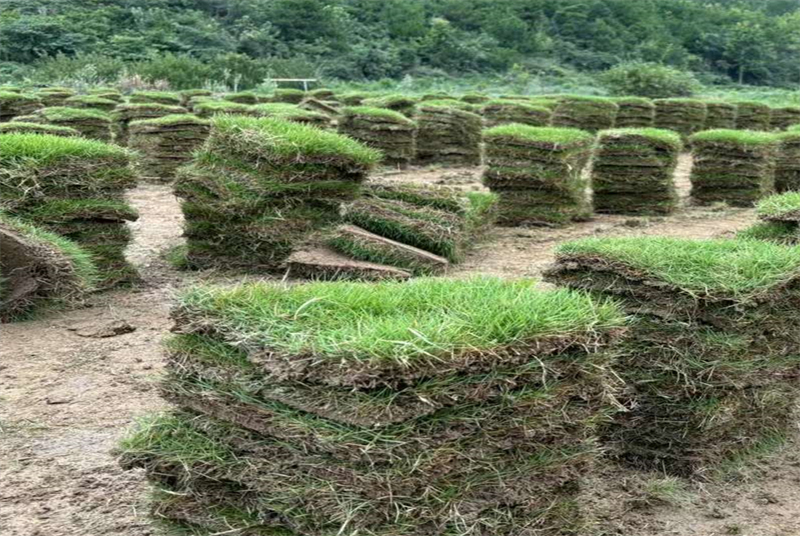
pixel 537 174
pixel 36 128
pixel 586 113
pixel 427 407
pixel 448 135
pixel 720 115
pixel 206 107
pixel 736 167
pixel 787 162
pixel 93 124
pixel 73 187
pixel 391 132
pixel 94 102
pixel 784 117
pixel 684 116
pixel 292 96
pixel 166 143
pixel 634 112
pixel 504 111
pixel 291 112
pixel 710 364
pixel 14 104
pixel 54 96
pixel 260 186
pixel 39 269
pixel 157 97
pixel 242 97
pixel 752 116
pixel 399 103
pixel 125 114
pixel 780 220
pixel 632 171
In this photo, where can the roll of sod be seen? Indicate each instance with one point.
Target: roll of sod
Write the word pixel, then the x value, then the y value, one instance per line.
pixel 73 187
pixel 399 103
pixel 427 404
pixel 501 112
pixel 537 174
pixel 633 171
pixel 124 114
pixel 291 112
pixel 54 96
pixel 14 104
pixel 752 116
pixel 208 107
pixel 166 143
pixel 736 167
pixel 634 112
pixel 784 117
pixel 684 116
pixel 292 96
pixel 39 269
pixel 92 124
pixel 260 186
pixel 787 162
pixel 586 113
pixel 709 364
pixel 93 102
pixel 720 115
pixel 780 220
pixel 447 135
pixel 156 97
pixel 391 132
pixel 20 127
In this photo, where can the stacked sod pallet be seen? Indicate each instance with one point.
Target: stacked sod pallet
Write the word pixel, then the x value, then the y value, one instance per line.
pixel 752 116
pixel 125 114
pixel 92 124
pixel 736 167
pixel 14 104
pixel 503 111
pixel 292 96
pixel 720 115
pixel 291 112
pixel 38 268
pixel 391 132
pixel 711 362
pixel 188 95
pixel 94 102
pixel 107 93
pixel 475 98
pixel 447 135
pixel 36 128
pixel 260 186
pixel 429 407
pixel 783 117
pixel 787 161
pixel 242 97
pixel 399 103
pixel 54 96
pixel 209 107
pixel 537 174
pixel 586 113
pixel 156 97
pixel 166 143
pixel 780 220
pixel 634 112
pixel 73 187
pixel 684 116
pixel 632 171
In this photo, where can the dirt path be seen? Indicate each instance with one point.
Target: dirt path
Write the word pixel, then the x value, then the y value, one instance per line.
pixel 66 396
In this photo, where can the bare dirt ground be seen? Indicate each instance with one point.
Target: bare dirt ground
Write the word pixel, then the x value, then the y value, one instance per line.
pixel 68 391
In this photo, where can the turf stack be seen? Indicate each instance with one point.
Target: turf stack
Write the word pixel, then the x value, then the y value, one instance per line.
pixel 189 94
pixel 291 112
pixel 501 112
pixel 54 96
pixel 243 97
pixel 20 127
pixel 684 116
pixel 38 268
pixel 711 362
pixel 391 132
pixel 14 104
pixel 787 162
pixel 125 114
pixel 429 407
pixel 634 112
pixel 166 143
pixel 752 116
pixel 210 108
pixel 537 174
pixel 447 135
pixel 720 115
pixel 784 117
pixel 399 103
pixel 736 167
pixel 632 171
pixel 73 187
pixel 92 124
pixel 94 102
pixel 158 97
pixel 292 96
pixel 780 220
pixel 261 186
pixel 586 113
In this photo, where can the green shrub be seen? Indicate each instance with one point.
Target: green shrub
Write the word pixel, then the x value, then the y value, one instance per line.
pixel 649 80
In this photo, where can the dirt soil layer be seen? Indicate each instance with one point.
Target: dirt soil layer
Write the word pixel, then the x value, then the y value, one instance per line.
pixel 72 382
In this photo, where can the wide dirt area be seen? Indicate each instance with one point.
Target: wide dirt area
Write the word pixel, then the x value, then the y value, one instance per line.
pixel 70 384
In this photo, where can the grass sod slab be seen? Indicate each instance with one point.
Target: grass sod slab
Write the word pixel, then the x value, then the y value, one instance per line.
pixel 787 162
pixel 785 233
pixel 386 130
pixel 19 127
pixel 292 112
pixel 39 269
pixel 404 104
pixel 323 263
pixel 721 115
pixel 94 102
pixel 91 123
pixel 292 96
pixel 499 112
pixel 753 116
pixel 14 104
pixel 447 135
pixel 782 118
pixel 158 97
pixel 124 114
pixel 166 143
pixel 684 116
pixel 591 114
pixel 434 344
pixel 780 208
pixel 634 112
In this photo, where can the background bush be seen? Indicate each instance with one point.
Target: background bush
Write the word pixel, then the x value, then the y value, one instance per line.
pixel 649 80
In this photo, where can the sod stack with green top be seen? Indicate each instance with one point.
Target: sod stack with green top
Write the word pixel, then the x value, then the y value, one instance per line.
pixel 586 113
pixel 39 269
pixel 20 127
pixel 787 161
pixel 684 116
pixel 73 187
pixel 783 117
pixel 92 124
pixel 157 97
pixel 291 112
pixel 752 116
pixel 260 186
pixel 391 132
pixel 389 408
pixel 107 93
pixel 14 104
pixel 124 114
pixel 94 102
pixel 634 112
pixel 736 167
pixel 189 94
pixel 399 103
pixel 207 107
pixel 242 97
pixel 537 174
pixel 54 96
pixel 166 143
pixel 475 98
pixel 720 115
pixel 633 171
pixel 447 135
pixel 780 220
pixel 292 96
pixel 710 364
pixel 503 111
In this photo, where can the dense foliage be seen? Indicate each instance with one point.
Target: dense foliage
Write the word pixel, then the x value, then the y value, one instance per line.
pixel 241 42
